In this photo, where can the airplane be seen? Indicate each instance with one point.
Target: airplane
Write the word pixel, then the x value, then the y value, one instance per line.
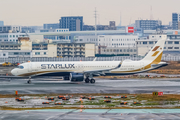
pixel 85 70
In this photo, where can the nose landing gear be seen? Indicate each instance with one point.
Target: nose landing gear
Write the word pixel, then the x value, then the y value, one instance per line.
pixel 29 81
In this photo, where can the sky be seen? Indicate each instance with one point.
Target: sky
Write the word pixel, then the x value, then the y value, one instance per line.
pixel 38 12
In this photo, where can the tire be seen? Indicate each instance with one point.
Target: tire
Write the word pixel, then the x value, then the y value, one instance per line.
pixel 29 81
pixel 92 80
pixel 86 80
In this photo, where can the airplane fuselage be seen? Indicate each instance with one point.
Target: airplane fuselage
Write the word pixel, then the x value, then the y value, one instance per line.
pixel 64 68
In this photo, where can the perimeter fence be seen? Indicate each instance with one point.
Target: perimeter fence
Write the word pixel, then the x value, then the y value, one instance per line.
pixel 116 58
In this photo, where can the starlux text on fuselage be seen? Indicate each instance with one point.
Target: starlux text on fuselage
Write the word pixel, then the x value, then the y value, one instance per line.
pixel 56 66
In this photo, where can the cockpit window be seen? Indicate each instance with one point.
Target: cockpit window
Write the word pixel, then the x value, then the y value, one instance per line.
pixel 20 67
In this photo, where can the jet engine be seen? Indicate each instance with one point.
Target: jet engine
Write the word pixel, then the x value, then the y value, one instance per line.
pixel 76 77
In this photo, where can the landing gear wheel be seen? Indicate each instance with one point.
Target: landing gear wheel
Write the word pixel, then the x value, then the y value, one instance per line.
pixel 87 80
pixel 29 81
pixel 92 80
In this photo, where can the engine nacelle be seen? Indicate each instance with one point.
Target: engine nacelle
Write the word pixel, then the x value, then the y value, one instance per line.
pixel 66 77
pixel 76 77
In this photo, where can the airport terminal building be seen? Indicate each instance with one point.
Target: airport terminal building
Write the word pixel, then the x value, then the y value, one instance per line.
pixel 26 48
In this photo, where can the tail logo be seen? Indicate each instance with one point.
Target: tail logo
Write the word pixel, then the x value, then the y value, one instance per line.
pixel 155 48
pixel 155 53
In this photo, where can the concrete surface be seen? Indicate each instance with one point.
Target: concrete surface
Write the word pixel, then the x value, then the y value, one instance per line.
pixel 38 86
pixel 92 114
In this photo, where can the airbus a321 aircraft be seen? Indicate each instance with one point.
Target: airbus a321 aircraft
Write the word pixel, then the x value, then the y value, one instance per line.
pixel 86 70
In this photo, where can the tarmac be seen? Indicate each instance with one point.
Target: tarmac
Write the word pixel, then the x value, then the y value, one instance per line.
pixel 92 114
pixel 48 85
pixel 132 86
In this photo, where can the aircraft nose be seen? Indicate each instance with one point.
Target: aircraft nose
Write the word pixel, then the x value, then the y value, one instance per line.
pixel 13 71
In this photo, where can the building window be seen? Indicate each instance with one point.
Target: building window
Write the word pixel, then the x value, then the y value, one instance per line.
pixel 164 47
pixel 176 47
pixel 44 53
pixel 37 53
pixel 27 53
pixel 176 42
pixel 150 42
pixel 4 54
pixel 170 42
pixel 144 42
pixel 16 53
pixel 170 47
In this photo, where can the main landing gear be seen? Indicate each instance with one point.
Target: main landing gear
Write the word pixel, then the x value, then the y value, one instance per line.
pixel 87 80
pixel 29 81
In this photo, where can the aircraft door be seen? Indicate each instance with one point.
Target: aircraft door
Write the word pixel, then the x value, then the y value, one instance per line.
pixel 34 67
pixel 30 67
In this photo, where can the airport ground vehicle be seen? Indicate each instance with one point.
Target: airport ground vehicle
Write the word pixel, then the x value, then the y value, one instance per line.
pixel 15 64
pixel 6 64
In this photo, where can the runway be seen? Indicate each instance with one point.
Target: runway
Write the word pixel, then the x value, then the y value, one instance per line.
pixel 38 86
pixel 92 114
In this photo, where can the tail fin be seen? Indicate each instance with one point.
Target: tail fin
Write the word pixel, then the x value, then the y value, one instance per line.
pixel 155 54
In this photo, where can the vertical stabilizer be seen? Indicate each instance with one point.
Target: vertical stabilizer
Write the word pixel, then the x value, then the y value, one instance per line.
pixel 155 54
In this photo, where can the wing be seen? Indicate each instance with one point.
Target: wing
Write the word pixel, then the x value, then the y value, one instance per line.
pixel 101 71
